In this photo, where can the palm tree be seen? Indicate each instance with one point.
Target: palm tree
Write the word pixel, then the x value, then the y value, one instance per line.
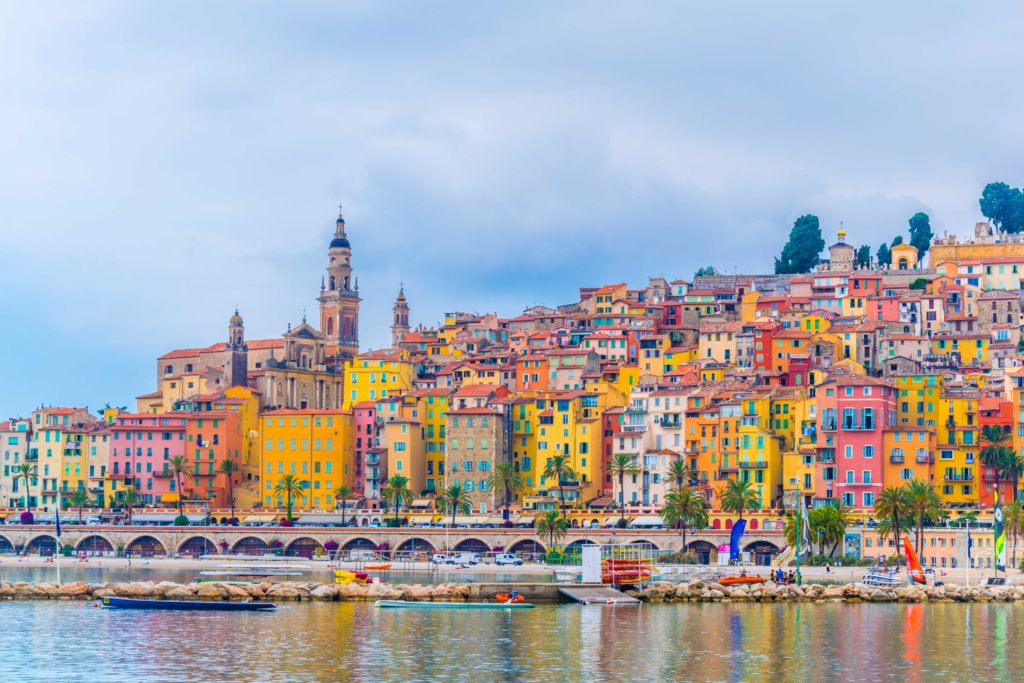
pixel 129 501
pixel 892 511
pixel 622 464
pixel 994 450
pixel 553 526
pixel 80 499
pixel 923 503
pixel 342 494
pixel 455 499
pixel 229 468
pixel 739 495
pixel 397 491
pixel 828 523
pixel 1013 468
pixel 1013 522
pixel 679 472
pixel 178 465
pixel 28 472
pixel 685 509
pixel 505 482
pixel 289 487
pixel 559 467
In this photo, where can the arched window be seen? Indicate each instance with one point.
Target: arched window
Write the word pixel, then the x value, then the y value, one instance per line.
pixel 346 283
pixel 332 282
pixel 330 324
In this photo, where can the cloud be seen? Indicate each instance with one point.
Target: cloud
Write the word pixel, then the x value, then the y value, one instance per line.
pixel 161 164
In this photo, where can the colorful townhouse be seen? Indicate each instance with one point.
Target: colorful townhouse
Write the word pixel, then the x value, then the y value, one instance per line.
pixel 315 447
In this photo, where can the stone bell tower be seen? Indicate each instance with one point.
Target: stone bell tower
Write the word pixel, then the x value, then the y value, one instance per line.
pixel 400 324
pixel 339 296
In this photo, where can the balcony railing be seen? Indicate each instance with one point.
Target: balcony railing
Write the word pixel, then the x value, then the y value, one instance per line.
pixel 164 474
pixel 728 470
pixel 896 459
pixel 754 465
pixel 959 476
pixel 924 459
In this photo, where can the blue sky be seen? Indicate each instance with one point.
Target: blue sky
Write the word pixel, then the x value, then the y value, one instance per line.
pixel 161 163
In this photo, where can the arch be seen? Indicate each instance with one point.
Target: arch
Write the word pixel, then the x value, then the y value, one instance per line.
pixel 762 552
pixel 146 546
pixel 643 541
pixel 415 545
pixel 903 263
pixel 527 546
pixel 304 547
pixel 716 524
pixel 94 545
pixel 332 281
pixel 198 545
pixel 706 552
pixel 41 545
pixel 251 545
pixel 5 545
pixel 330 323
pixel 360 544
pixel 472 545
pixel 753 524
pixel 575 546
pixel 728 523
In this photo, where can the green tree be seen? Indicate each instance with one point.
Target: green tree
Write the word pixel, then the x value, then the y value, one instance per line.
pixel 397 491
pixel 505 482
pixel 80 499
pixel 923 505
pixel 178 464
pixel 1003 206
pixel 829 524
pixel 883 257
pixel 892 513
pixel 26 471
pixel 863 259
pixel 1013 522
pixel 684 509
pixel 620 465
pixel 229 468
pixel 289 487
pixel 739 495
pixel 455 499
pixel 341 495
pixel 129 501
pixel 1013 468
pixel 920 233
pixel 552 525
pixel 918 283
pixel 706 271
pixel 995 446
pixel 898 239
pixel 801 252
pixel 560 469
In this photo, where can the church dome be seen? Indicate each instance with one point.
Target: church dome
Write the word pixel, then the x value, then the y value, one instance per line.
pixel 340 242
pixel 236 319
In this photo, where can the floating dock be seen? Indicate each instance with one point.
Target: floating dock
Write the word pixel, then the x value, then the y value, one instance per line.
pixel 595 595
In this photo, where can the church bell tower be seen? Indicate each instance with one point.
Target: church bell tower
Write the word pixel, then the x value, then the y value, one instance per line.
pixel 339 296
pixel 400 324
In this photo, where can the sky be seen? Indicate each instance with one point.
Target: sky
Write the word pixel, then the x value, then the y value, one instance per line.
pixel 162 163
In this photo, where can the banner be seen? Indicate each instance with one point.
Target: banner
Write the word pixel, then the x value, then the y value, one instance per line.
pixel 1000 532
pixel 734 539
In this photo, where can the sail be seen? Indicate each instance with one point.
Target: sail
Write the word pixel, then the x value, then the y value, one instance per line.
pixel 734 539
pixel 914 570
pixel 999 529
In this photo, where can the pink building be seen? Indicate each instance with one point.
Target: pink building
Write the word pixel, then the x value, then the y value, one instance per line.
pixel 853 412
pixel 368 468
pixel 140 450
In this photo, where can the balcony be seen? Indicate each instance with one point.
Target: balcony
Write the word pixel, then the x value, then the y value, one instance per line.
pixel 163 474
pixel 691 450
pixel 991 476
pixel 959 476
pixel 33 454
pixel 827 455
pixel 829 426
pixel 672 424
pixel 924 459
pixel 750 422
pixel 372 460
pixel 728 470
pixel 754 465
pixel 896 459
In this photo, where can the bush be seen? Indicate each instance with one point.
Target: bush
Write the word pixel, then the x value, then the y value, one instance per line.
pixel 181 520
pixel 919 283
pixel 287 522
pixel 27 517
pixel 331 545
pixel 233 521
pixel 392 522
pixel 277 543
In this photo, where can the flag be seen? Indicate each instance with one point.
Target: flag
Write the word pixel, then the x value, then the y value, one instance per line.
pixel 970 542
pixel 56 529
pixel 734 539
pixel 807 530
pixel 1000 533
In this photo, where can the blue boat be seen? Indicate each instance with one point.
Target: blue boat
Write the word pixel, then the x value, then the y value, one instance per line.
pixel 201 605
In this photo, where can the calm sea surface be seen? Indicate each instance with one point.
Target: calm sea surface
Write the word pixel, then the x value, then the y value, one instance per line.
pixel 45 641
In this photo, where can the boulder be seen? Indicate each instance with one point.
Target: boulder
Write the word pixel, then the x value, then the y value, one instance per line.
pixel 77 590
pixel 145 589
pixel 44 590
pixel 351 591
pixel 696 586
pixel 325 592
pixel 236 592
pixel 414 592
pixel 211 591
pixel 179 593
pixel 283 592
pixel 103 593
pixel 682 591
pixel 164 586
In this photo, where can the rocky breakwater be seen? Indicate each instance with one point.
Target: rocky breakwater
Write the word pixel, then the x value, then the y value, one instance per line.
pixel 294 591
pixel 699 591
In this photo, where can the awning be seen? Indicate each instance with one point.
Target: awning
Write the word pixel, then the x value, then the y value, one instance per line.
pixel 525 520
pixel 422 503
pixel 647 520
pixel 170 497
pixel 259 519
pixel 601 502
pixel 324 520
pixel 43 518
pixel 472 520
pixel 166 518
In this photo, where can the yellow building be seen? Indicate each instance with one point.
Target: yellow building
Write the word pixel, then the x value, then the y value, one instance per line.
pixel 315 446
pixel 569 423
pixel 413 434
pixel 957 461
pixel 376 375
pixel 972 348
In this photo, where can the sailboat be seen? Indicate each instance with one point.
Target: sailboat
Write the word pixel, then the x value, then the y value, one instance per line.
pixel 915 574
pixel 883 577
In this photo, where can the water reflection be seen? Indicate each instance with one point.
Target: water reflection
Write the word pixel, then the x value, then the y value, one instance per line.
pixel 355 641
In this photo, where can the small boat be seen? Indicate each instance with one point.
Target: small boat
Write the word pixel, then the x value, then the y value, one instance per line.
pixel 740 580
pixel 381 567
pixel 505 597
pixel 200 605
pixel 343 576
pixel 407 604
pixel 882 578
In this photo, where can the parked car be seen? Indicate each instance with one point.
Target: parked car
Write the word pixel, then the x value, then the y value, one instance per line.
pixel 507 558
pixel 439 558
pixel 463 558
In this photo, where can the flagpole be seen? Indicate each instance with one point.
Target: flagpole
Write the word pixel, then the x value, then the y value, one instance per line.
pixel 967 564
pixel 57 547
pixel 799 541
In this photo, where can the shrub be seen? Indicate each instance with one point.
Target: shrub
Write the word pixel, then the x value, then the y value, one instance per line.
pixel 331 545
pixel 181 520
pixel 223 546
pixel 233 521
pixel 27 517
pixel 287 522
pixel 277 543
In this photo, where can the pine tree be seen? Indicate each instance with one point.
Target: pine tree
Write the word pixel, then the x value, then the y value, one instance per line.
pixel 800 255
pixel 883 256
pixel 920 233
